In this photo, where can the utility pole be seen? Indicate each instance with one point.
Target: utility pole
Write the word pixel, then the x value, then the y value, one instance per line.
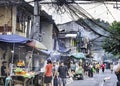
pixel 79 39
pixel 35 32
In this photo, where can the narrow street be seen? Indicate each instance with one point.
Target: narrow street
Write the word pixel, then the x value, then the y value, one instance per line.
pixel 97 80
pixel 44 41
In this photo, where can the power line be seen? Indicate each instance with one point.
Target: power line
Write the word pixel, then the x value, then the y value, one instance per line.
pixel 100 14
pixel 82 22
pixel 77 12
pixel 75 2
pixel 94 7
pixel 109 11
pixel 81 12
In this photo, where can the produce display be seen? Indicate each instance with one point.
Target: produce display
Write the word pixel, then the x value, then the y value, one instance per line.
pixel 29 75
pixel 20 63
pixel 20 71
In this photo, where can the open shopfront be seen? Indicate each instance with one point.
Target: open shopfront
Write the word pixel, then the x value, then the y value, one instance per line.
pixel 22 69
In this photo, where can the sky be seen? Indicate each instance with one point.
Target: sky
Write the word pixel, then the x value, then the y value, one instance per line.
pixel 97 10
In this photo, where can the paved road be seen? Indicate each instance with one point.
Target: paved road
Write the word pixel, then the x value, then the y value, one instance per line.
pixel 97 80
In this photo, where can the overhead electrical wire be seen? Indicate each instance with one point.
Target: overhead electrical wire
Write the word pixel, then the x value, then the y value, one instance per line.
pixel 77 12
pixel 109 12
pixel 100 14
pixel 82 23
pixel 75 2
pixel 91 19
pixel 80 12
pixel 94 6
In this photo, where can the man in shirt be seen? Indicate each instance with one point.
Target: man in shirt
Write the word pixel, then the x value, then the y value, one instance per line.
pixel 62 70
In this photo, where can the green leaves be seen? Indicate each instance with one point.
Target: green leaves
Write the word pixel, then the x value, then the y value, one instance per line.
pixel 112 43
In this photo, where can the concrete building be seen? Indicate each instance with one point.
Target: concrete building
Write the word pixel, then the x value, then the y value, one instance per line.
pixel 17 18
pixel 69 34
pixel 91 44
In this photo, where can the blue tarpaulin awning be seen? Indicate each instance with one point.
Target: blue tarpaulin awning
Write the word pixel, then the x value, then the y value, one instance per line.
pixel 13 39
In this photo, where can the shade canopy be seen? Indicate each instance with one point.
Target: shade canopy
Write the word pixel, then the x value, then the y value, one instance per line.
pixel 71 35
pixel 78 55
pixel 13 39
pixel 37 45
pixel 47 52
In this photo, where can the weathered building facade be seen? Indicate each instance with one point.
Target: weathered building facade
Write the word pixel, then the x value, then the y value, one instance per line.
pixel 16 17
pixel 69 34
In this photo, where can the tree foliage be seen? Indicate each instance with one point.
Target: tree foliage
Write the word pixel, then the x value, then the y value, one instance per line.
pixel 112 43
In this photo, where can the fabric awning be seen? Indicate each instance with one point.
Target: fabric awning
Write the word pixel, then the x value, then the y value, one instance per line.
pixel 47 52
pixel 71 35
pixel 78 55
pixel 37 45
pixel 13 39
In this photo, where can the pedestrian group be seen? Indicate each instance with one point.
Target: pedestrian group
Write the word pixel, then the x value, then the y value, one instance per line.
pixel 57 73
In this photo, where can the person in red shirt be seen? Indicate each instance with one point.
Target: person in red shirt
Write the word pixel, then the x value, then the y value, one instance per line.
pixel 48 73
pixel 103 67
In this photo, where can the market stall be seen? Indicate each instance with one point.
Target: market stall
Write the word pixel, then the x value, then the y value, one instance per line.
pixel 13 40
pixel 78 57
pixel 23 77
pixel 10 42
pixel 21 71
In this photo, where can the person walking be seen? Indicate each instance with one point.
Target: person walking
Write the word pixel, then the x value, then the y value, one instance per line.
pixel 4 70
pixel 79 72
pixel 90 70
pixel 72 68
pixel 103 67
pixel 86 69
pixel 111 67
pixel 48 73
pixel 55 73
pixel 97 67
pixel 117 72
pixel 62 70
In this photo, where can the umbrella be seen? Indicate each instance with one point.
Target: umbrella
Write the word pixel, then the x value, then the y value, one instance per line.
pixel 36 44
pixel 13 38
pixel 78 55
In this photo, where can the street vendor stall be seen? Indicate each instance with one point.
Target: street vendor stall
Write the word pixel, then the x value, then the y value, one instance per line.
pixel 78 57
pixel 22 77
pixel 27 70
pixel 13 39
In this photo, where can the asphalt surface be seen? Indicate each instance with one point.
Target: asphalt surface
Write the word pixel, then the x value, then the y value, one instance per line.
pixel 97 80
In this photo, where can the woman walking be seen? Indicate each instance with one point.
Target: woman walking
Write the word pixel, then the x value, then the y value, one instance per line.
pixel 48 73
pixel 103 67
